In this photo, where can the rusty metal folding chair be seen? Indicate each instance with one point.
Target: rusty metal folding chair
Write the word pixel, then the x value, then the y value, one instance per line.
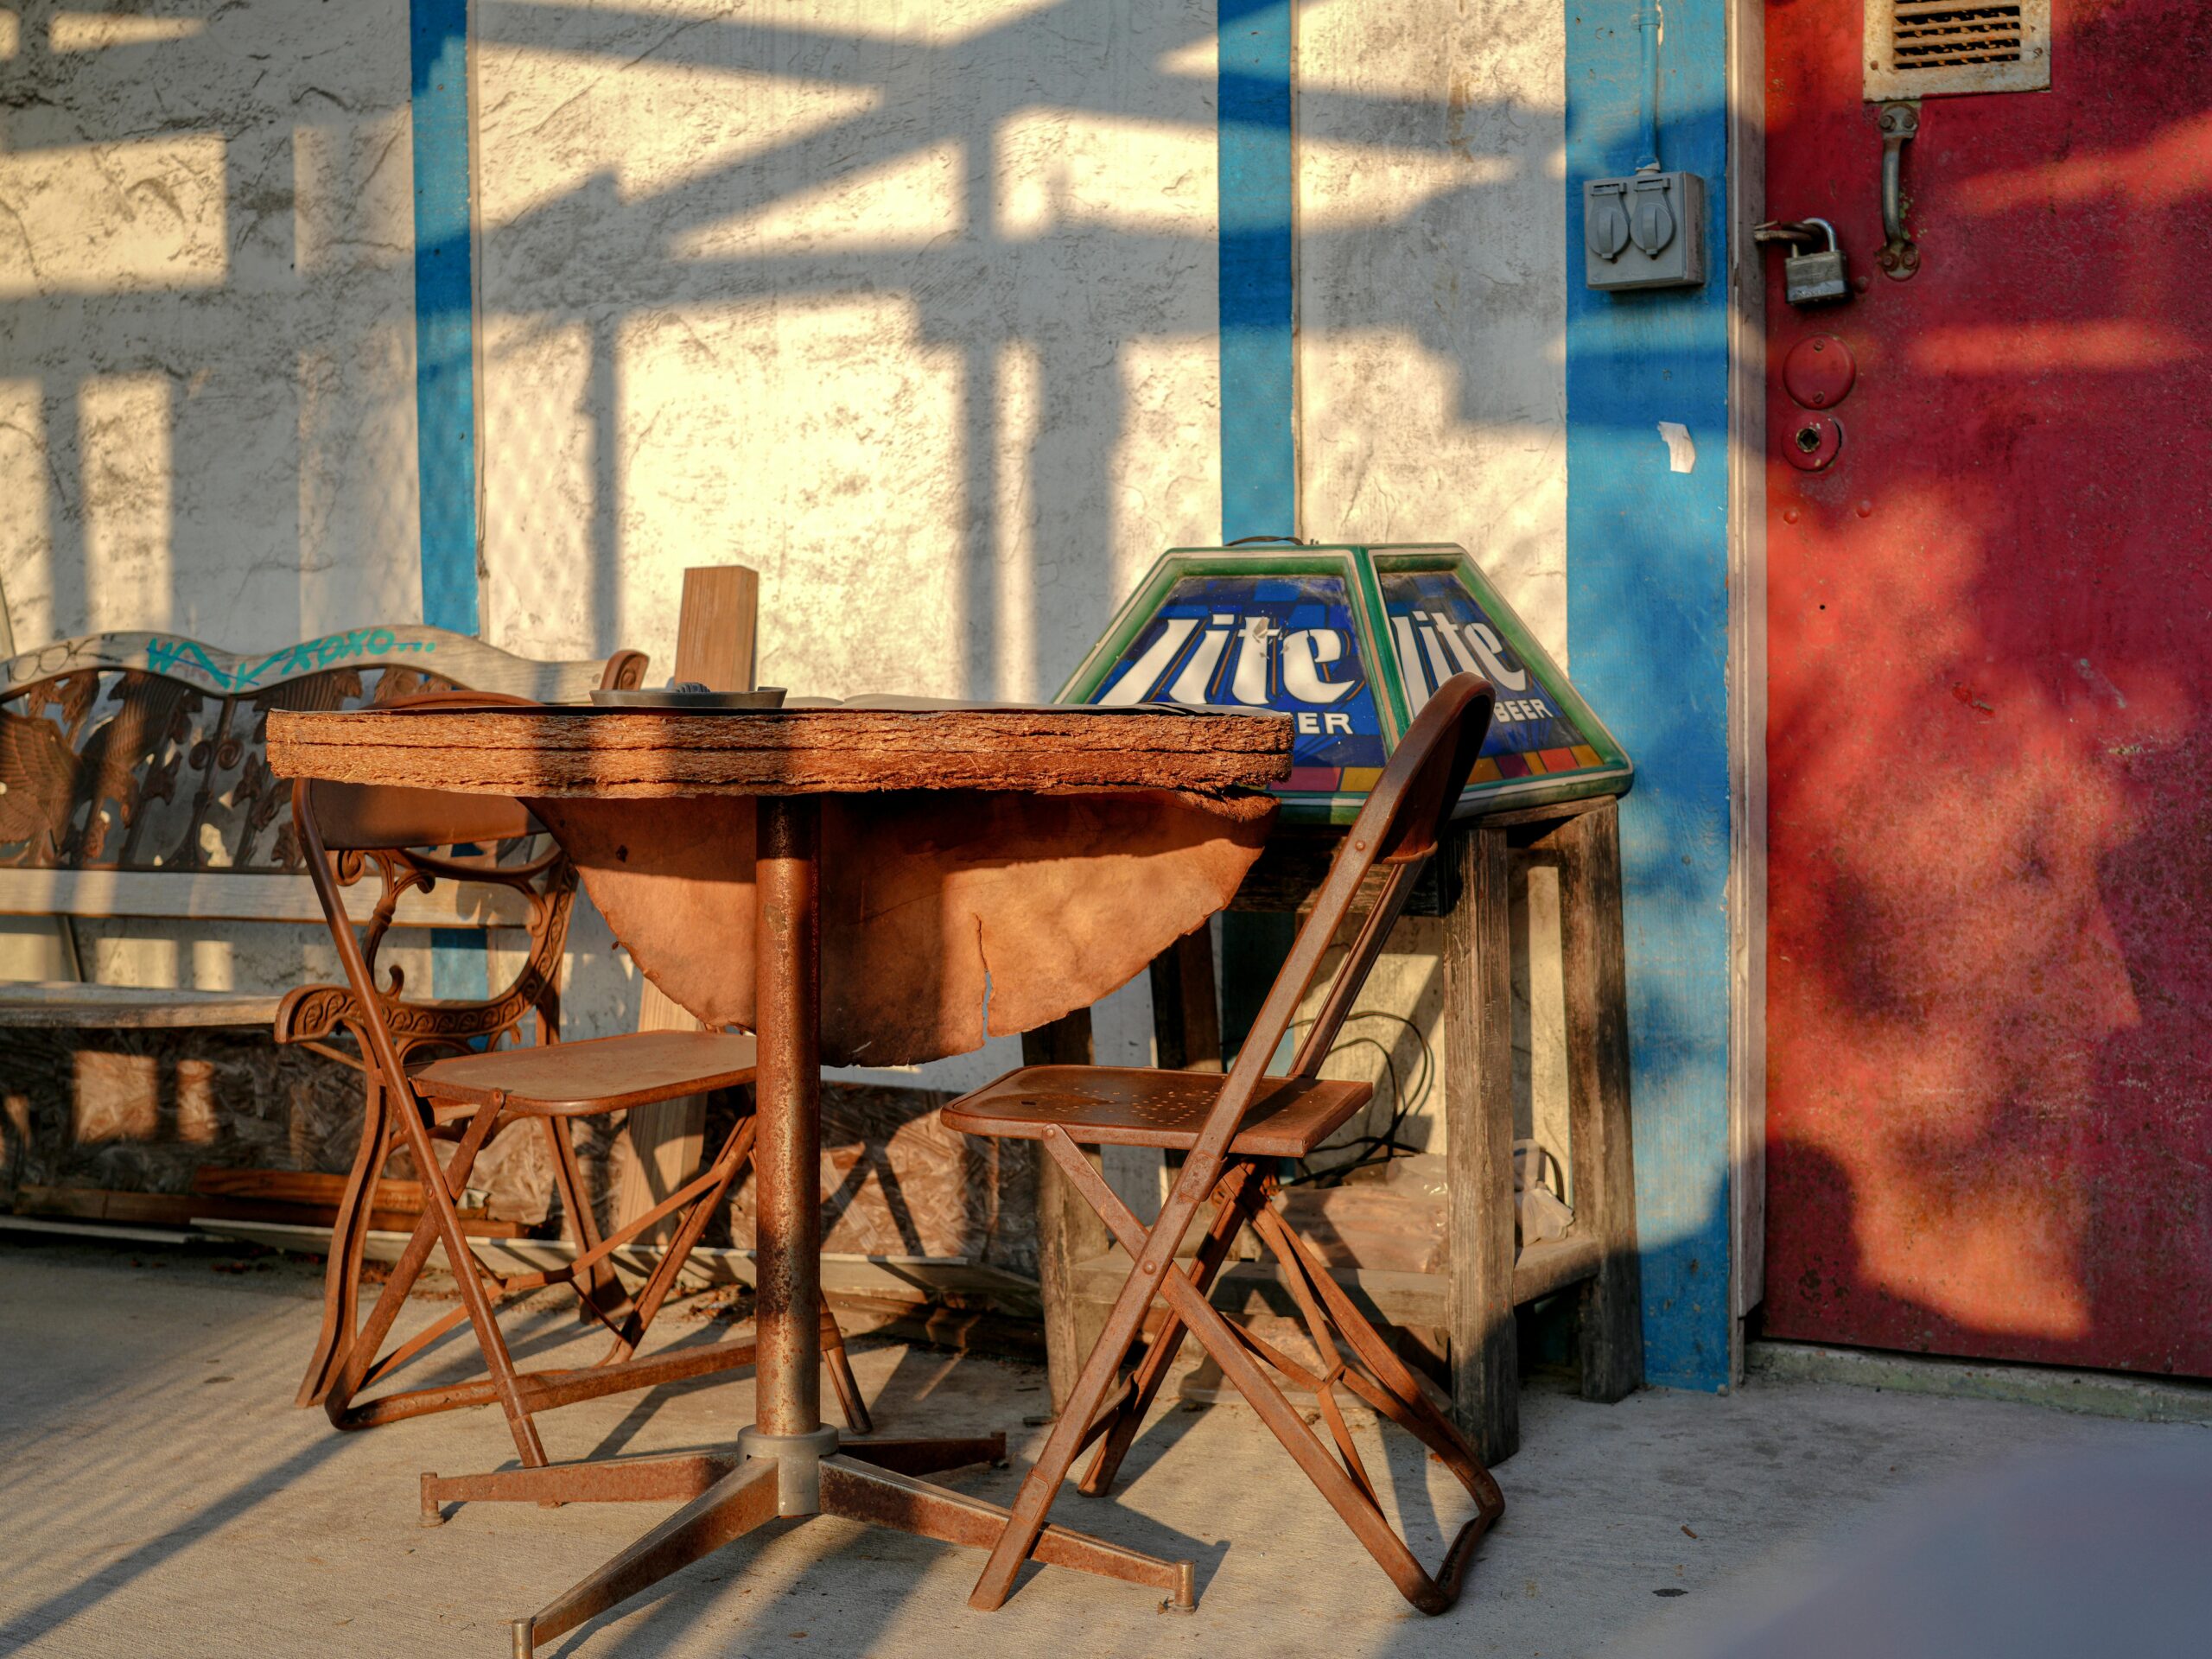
pixel 1231 1131
pixel 311 1016
pixel 461 1100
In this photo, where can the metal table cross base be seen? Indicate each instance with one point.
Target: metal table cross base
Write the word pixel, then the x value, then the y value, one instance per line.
pixel 791 1476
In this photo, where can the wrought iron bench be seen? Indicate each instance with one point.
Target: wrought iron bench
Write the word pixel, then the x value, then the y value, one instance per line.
pixel 134 784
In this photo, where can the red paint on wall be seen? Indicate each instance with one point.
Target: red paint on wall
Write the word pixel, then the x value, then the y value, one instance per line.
pixel 1990 744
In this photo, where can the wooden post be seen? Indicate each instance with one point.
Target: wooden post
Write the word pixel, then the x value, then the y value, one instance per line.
pixel 1478 1142
pixel 714 633
pixel 1185 1017
pixel 1068 1231
pixel 1600 1147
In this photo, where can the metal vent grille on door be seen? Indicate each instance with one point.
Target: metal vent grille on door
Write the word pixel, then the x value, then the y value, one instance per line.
pixel 1925 48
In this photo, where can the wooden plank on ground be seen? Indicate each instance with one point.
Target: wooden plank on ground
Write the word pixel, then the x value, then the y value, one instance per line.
pixel 301 1186
pixel 182 1209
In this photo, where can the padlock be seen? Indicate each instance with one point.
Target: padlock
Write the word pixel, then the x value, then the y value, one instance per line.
pixel 1819 277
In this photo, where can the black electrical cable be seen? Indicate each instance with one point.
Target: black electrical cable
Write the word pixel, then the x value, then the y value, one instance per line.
pixel 1404 1102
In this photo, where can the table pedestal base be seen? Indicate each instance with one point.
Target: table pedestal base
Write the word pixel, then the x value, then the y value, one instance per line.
pixel 679 1478
pixel 869 1481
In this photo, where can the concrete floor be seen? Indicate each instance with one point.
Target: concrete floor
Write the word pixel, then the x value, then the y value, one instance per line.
pixel 159 1495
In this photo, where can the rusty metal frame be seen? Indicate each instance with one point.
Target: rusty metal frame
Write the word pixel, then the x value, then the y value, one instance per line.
pixel 401 1114
pixel 788 1464
pixel 1399 827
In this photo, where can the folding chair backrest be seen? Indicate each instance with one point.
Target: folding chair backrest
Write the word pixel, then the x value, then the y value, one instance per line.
pixel 404 823
pixel 1399 826
pixel 380 818
pixel 376 817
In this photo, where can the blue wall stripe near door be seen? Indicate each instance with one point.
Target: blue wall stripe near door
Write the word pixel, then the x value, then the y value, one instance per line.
pixel 1259 416
pixel 1647 585
pixel 1259 381
pixel 445 376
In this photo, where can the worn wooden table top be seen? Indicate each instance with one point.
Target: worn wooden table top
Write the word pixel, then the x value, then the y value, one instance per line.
pixel 982 871
pixel 643 755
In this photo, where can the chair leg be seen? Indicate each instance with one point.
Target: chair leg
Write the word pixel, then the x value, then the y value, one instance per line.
pixel 729 1163
pixel 441 1224
pixel 1399 1395
pixel 1332 1371
pixel 1344 1486
pixel 360 1358
pixel 1233 1195
pixel 521 1394
pixel 849 1403
pixel 1403 1399
pixel 1100 1369
pixel 601 1293
pixel 342 1271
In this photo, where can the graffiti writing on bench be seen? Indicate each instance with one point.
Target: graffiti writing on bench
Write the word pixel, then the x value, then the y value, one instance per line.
pixel 187 656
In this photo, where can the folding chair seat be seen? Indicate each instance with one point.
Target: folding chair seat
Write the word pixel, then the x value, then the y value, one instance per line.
pixel 1126 1106
pixel 457 1101
pixel 1232 1131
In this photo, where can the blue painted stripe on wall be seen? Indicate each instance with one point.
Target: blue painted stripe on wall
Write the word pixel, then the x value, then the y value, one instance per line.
pixel 1647 570
pixel 1259 380
pixel 445 390
pixel 1259 415
pixel 445 376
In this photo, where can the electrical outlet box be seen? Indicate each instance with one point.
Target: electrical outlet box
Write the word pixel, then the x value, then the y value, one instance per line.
pixel 1644 230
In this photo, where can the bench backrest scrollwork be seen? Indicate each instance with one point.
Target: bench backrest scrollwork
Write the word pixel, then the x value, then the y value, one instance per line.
pixel 146 751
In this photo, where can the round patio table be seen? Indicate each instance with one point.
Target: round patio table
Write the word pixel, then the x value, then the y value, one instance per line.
pixel 856 886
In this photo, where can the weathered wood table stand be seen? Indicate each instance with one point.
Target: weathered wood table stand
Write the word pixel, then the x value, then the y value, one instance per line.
pixel 848 885
pixel 1472 1300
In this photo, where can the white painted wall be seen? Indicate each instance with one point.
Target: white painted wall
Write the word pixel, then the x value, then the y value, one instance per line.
pixel 206 319
pixel 909 306
pixel 1432 285
pixel 1431 306
pixel 909 303
pixel 206 359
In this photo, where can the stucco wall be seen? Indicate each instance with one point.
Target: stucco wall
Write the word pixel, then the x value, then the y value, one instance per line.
pixel 1431 296
pixel 207 356
pixel 911 306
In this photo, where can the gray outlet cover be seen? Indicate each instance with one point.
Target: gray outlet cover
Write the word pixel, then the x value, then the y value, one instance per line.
pixel 1644 230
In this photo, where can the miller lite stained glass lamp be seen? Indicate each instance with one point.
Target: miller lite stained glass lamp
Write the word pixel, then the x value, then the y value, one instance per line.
pixel 1350 641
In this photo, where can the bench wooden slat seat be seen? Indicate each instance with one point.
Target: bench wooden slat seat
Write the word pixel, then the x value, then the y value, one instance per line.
pixel 217 896
pixel 54 1004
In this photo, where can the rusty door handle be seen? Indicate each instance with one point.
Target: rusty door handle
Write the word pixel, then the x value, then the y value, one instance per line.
pixel 1899 122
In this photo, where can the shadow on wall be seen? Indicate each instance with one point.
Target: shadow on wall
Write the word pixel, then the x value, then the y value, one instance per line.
pixel 913 308
pixel 920 313
pixel 948 289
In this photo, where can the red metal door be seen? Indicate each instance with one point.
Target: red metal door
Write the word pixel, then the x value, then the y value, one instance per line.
pixel 1990 953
